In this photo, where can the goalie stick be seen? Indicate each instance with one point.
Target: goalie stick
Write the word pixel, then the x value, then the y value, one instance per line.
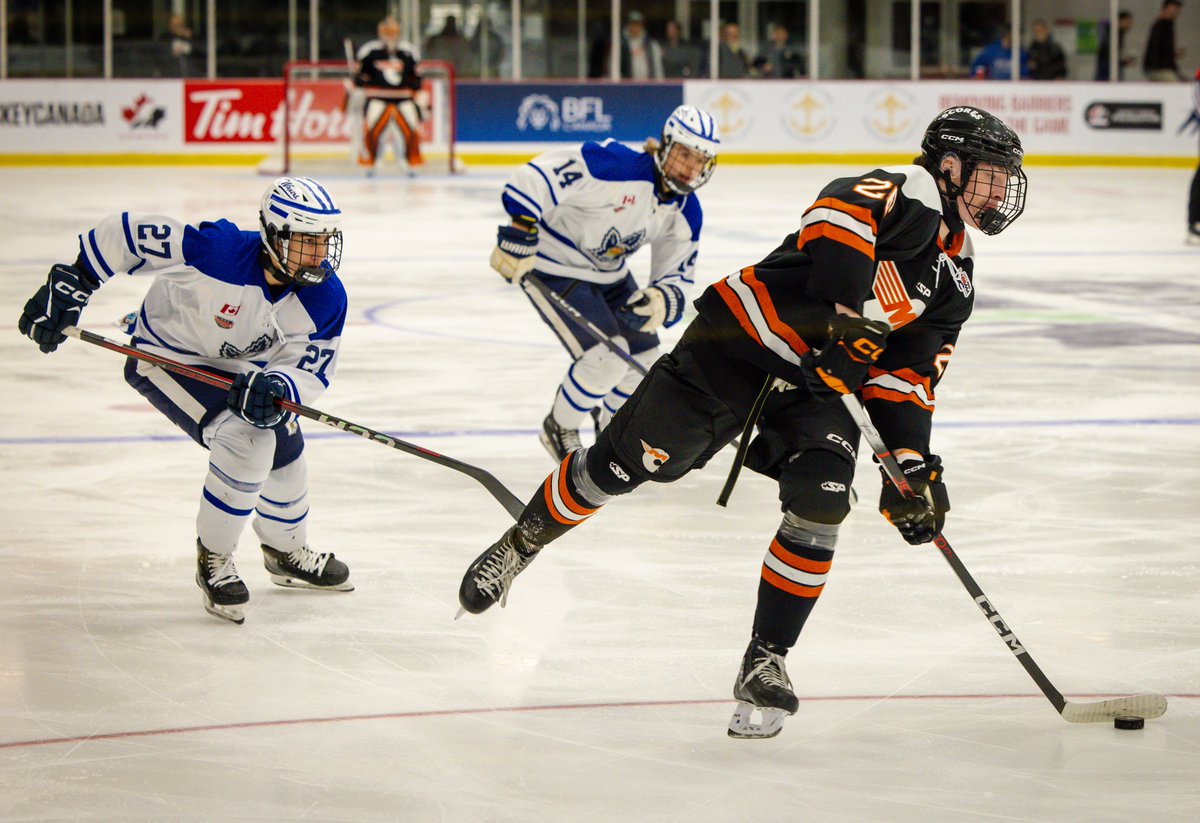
pixel 1148 706
pixel 497 489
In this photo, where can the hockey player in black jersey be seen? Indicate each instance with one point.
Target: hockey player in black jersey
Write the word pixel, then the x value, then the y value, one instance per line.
pixel 387 75
pixel 867 296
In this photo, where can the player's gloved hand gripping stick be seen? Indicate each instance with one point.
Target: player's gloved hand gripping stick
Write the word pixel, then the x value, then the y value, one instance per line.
pixel 1147 706
pixel 497 489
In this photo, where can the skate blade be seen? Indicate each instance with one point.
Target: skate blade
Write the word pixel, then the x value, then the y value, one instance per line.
pixel 743 727
pixel 461 611
pixel 295 583
pixel 233 614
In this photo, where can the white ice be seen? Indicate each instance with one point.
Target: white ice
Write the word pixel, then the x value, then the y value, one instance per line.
pixel 1068 423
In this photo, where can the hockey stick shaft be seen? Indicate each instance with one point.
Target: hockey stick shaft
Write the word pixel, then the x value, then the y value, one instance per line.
pixel 896 476
pixel 575 316
pixel 743 445
pixel 497 489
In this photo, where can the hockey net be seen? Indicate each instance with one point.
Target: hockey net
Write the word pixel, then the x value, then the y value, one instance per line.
pixel 323 123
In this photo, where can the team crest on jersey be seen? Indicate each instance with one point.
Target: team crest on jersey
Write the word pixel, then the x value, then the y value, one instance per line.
pixel 223 322
pixel 653 458
pixel 957 273
pixel 257 346
pixel 614 245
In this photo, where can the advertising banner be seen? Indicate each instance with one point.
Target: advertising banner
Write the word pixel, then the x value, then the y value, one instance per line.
pixel 563 112
pixel 119 116
pixel 1054 119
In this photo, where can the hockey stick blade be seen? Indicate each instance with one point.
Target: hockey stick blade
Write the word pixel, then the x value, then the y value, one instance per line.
pixel 1148 706
pixel 498 490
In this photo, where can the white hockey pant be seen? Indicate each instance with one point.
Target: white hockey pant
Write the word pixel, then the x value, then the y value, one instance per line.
pixel 616 398
pixel 587 383
pixel 240 480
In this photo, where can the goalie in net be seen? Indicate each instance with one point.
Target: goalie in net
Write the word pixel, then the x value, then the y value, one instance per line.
pixel 393 99
pixel 321 130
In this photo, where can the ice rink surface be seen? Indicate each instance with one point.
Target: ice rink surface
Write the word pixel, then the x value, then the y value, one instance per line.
pixel 1068 423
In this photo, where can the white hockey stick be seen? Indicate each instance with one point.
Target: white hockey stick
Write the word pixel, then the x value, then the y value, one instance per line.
pixel 1148 706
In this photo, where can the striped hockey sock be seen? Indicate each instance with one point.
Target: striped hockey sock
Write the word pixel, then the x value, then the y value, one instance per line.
pixel 793 576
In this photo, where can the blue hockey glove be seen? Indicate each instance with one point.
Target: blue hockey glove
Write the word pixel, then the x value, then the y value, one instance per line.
pixel 841 367
pixel 56 305
pixel 654 306
pixel 515 247
pixel 920 518
pixel 252 398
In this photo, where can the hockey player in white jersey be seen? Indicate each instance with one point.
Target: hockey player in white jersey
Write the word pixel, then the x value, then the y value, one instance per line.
pixel 264 308
pixel 577 215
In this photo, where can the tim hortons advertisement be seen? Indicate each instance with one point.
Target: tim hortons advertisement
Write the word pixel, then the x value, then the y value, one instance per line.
pixel 251 112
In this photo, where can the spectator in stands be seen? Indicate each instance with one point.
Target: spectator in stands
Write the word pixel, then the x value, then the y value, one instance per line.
pixel 179 39
pixel 732 61
pixel 448 44
pixel 1124 24
pixel 1047 61
pixel 780 58
pixel 679 57
pixel 995 61
pixel 641 56
pixel 1159 64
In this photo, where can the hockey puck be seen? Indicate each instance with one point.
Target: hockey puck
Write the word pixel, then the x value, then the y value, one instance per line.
pixel 1129 722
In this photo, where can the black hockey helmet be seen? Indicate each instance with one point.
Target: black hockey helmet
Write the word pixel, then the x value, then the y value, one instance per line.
pixel 974 136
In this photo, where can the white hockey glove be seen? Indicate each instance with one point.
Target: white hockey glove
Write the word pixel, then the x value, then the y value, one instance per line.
pixel 515 248
pixel 654 306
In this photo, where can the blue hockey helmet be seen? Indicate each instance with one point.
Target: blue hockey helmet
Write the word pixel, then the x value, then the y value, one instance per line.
pixel 692 128
pixel 301 230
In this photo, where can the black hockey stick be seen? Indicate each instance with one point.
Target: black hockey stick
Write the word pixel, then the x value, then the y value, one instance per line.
pixel 497 489
pixel 575 316
pixel 743 446
pixel 1147 706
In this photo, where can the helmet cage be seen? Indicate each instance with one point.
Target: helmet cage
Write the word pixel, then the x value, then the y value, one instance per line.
pixel 975 137
pixel 694 129
pixel 299 222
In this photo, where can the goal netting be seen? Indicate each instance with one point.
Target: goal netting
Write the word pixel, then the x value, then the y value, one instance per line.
pixel 323 123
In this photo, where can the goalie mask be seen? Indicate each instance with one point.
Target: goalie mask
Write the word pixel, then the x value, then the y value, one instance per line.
pixel 301 230
pixel 992 184
pixel 695 132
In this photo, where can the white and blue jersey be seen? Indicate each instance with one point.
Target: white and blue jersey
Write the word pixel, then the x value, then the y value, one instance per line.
pixel 210 304
pixel 595 205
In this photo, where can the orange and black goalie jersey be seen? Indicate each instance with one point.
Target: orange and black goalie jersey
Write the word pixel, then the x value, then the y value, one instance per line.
pixel 387 68
pixel 870 243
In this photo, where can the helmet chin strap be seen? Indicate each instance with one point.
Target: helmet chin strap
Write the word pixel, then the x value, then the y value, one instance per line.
pixel 951 194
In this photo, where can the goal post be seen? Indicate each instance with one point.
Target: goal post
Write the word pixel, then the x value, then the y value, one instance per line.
pixel 322 124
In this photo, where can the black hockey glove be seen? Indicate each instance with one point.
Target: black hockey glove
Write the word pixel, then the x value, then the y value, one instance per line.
pixel 841 367
pixel 252 398
pixel 920 518
pixel 515 247
pixel 654 306
pixel 56 305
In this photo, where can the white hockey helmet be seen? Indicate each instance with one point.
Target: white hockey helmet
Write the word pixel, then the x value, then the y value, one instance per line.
pixel 694 128
pixel 298 221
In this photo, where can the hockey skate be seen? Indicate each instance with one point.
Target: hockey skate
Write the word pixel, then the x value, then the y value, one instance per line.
pixel 224 591
pixel 1193 235
pixel 490 577
pixel 558 441
pixel 763 686
pixel 304 568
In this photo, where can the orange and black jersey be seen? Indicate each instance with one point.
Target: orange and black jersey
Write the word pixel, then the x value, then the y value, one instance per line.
pixel 387 67
pixel 869 243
